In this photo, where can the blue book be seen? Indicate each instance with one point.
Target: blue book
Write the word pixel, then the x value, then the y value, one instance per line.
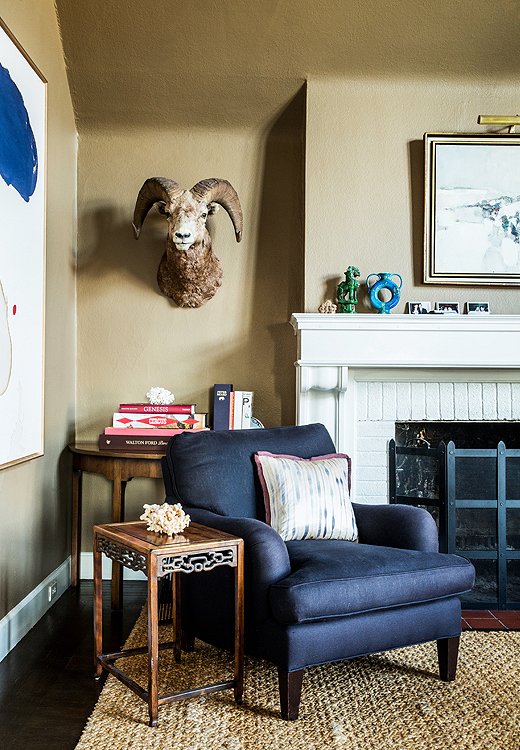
pixel 221 405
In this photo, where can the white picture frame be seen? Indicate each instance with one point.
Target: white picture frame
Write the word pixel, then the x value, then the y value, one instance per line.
pixel 418 308
pixel 23 103
pixel 447 308
pixel 478 308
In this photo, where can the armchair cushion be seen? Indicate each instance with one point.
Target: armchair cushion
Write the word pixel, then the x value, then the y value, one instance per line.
pixel 307 498
pixel 333 578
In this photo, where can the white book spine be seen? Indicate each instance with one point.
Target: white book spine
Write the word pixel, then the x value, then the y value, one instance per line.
pixel 237 410
pixel 247 409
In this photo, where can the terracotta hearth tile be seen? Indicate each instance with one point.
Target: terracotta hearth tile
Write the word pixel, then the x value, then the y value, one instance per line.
pixel 486 623
pixel 471 618
pixel 510 619
pixel 494 619
pixel 472 613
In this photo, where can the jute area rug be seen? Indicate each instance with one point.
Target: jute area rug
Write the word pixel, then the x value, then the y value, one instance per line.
pixel 392 701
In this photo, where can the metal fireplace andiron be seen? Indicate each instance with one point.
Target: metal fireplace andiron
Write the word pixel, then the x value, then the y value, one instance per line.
pixel 474 496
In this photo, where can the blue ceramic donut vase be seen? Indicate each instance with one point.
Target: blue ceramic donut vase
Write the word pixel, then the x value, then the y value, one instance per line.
pixel 384 281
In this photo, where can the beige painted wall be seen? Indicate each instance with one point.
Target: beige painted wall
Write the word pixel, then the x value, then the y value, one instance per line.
pixel 130 337
pixel 365 179
pixel 361 145
pixel 35 494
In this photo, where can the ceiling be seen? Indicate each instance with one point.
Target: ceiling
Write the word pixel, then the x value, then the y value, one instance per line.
pixel 236 62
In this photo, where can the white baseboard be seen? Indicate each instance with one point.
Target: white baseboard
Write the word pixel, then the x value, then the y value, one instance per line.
pixel 19 620
pixel 17 623
pixel 86 570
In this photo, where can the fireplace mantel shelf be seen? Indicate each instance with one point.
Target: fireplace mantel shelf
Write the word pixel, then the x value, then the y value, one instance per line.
pixel 367 322
pixel 437 341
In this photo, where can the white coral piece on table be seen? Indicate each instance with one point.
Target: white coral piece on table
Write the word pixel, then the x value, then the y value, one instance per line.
pixel 157 395
pixel 165 519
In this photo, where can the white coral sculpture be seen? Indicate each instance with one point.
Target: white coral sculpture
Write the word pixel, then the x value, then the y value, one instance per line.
pixel 165 519
pixel 327 307
pixel 157 395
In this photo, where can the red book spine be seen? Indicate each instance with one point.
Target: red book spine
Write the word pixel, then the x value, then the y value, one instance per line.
pixel 148 431
pixel 127 420
pixel 157 408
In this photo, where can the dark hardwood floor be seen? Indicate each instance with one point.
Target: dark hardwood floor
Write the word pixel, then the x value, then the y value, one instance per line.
pixel 47 688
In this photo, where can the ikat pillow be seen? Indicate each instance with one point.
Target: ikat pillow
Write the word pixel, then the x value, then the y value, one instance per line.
pixel 307 498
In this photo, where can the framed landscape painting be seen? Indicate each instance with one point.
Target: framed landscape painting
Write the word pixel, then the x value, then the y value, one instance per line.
pixel 22 252
pixel 472 209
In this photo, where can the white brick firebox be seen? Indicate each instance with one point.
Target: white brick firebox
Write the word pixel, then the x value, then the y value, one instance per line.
pixel 360 374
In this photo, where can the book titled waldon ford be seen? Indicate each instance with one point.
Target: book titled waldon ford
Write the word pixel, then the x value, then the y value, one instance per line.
pixel 143 441
pixel 133 444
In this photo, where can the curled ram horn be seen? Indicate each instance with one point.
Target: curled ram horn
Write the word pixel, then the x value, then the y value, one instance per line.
pixel 219 191
pixel 189 272
pixel 153 190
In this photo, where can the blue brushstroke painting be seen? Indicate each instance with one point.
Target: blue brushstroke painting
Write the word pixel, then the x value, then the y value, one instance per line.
pixel 18 154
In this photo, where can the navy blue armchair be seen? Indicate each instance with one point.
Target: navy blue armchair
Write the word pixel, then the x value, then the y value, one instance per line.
pixel 314 601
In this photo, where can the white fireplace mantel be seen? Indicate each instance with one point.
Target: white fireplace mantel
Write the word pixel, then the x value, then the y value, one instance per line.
pixel 408 340
pixel 360 374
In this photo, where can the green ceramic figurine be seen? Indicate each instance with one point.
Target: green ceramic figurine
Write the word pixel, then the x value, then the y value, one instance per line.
pixel 347 291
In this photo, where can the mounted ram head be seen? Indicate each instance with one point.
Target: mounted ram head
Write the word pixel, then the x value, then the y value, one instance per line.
pixel 189 272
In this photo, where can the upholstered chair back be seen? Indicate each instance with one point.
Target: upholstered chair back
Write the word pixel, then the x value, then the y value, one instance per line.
pixel 216 470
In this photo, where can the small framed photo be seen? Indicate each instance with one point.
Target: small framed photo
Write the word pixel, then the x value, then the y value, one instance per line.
pixel 419 308
pixel 447 308
pixel 477 308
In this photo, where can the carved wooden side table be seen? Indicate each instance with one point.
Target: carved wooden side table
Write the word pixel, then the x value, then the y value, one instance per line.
pixel 118 468
pixel 197 549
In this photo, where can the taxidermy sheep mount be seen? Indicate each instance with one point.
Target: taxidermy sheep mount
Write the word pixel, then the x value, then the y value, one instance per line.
pixel 189 272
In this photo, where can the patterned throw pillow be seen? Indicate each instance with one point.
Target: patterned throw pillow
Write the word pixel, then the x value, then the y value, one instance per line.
pixel 307 498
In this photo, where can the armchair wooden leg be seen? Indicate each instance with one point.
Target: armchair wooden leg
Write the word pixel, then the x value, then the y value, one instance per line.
pixel 290 684
pixel 187 641
pixel 448 651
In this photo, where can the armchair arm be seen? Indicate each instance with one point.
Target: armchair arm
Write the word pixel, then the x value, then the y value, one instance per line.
pixel 403 526
pixel 266 559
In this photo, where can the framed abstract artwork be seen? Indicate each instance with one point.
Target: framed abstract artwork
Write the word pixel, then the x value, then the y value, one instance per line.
pixel 23 94
pixel 472 209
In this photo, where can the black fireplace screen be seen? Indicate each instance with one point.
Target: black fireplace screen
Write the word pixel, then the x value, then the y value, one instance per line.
pixel 474 496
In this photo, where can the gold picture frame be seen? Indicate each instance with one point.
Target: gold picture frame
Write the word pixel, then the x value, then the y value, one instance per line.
pixel 472 209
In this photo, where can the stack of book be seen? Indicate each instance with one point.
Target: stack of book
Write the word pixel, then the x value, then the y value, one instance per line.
pixel 146 428
pixel 232 410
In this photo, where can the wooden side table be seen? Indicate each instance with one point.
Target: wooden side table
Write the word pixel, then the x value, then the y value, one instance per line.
pixel 119 468
pixel 197 549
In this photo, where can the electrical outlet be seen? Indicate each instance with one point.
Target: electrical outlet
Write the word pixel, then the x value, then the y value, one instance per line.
pixel 52 590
